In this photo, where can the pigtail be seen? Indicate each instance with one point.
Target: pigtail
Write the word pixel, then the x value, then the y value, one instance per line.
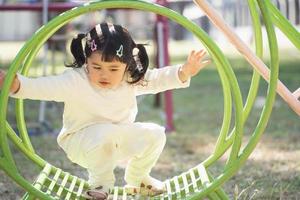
pixel 143 56
pixel 77 51
pixel 140 64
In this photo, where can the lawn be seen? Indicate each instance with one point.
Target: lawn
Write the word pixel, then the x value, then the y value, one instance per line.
pixel 271 172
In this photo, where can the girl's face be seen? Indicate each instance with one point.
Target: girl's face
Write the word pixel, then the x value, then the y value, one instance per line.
pixel 104 74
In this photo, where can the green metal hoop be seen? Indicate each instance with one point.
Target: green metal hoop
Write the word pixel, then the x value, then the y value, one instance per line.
pixel 230 87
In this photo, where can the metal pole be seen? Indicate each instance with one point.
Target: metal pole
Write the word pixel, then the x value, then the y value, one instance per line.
pixel 162 30
pixel 297 13
pixel 287 9
pixel 45 63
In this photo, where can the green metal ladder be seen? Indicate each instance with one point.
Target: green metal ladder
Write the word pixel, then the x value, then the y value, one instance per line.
pixel 196 183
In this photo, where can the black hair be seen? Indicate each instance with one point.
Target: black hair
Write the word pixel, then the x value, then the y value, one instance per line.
pixel 114 43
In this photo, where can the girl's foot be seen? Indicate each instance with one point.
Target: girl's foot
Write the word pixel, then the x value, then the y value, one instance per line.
pixel 148 187
pixel 96 194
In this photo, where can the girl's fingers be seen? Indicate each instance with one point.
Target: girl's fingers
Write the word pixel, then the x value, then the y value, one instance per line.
pixel 200 54
pixel 206 62
pixel 190 55
pixel 202 51
pixel 195 57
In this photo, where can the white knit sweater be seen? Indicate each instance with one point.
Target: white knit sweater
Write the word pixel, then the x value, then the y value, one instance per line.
pixel 84 104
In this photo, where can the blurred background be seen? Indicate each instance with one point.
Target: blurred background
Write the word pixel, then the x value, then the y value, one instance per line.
pixel 192 116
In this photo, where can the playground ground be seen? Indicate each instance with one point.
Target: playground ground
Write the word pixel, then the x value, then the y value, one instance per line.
pixel 271 172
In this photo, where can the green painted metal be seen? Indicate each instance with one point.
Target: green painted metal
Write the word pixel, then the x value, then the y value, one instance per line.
pixel 58 184
pixel 284 25
pixel 267 108
pixel 272 85
pixel 194 184
pixel 225 142
pixel 42 36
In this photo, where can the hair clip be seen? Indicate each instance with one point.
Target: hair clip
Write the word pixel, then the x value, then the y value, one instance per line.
pixel 93 46
pixel 119 52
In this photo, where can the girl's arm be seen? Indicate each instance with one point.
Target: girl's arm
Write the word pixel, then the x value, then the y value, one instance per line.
pixel 47 88
pixel 172 77
pixel 162 79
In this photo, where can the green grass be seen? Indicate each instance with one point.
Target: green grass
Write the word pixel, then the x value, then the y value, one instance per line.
pixel 272 171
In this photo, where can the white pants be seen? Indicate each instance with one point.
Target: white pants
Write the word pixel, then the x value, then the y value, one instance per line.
pixel 100 147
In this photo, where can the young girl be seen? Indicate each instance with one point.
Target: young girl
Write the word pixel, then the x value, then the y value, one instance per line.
pixel 99 95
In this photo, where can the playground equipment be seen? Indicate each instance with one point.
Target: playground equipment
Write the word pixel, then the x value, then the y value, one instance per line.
pixel 196 183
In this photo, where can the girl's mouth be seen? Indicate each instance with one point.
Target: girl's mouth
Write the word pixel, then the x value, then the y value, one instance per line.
pixel 104 83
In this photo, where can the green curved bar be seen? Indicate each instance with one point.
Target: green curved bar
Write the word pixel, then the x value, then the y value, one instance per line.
pixel 41 38
pixel 228 79
pixel 259 52
pixel 267 108
pixel 20 115
pixel 272 85
pixel 284 25
pixel 266 111
pixel 228 108
pixel 54 25
pixel 20 105
pixel 44 37
pixel 224 143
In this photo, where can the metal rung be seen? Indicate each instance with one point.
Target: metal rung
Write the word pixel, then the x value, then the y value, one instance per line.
pixel 42 177
pixel 54 181
pixel 177 187
pixel 62 185
pixel 194 181
pixel 116 192
pixel 124 197
pixel 80 189
pixel 169 189
pixel 71 188
pixel 203 175
pixel 185 183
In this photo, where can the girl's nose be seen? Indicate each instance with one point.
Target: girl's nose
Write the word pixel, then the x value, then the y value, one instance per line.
pixel 104 75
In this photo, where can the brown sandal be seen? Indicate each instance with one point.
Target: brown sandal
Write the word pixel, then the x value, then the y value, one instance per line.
pixel 132 190
pixel 144 190
pixel 96 194
pixel 151 191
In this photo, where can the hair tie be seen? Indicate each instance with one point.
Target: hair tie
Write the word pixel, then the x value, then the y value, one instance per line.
pixel 135 53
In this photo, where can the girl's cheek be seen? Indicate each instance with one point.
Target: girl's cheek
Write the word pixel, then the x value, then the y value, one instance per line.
pixel 90 78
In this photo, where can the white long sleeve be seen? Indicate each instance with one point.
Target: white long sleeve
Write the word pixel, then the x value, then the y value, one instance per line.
pixel 159 80
pixel 48 88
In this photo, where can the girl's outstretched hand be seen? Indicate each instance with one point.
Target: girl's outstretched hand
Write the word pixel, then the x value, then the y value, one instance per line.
pixel 16 83
pixel 193 65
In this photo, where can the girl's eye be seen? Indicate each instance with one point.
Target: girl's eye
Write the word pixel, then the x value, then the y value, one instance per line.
pixel 97 68
pixel 114 70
